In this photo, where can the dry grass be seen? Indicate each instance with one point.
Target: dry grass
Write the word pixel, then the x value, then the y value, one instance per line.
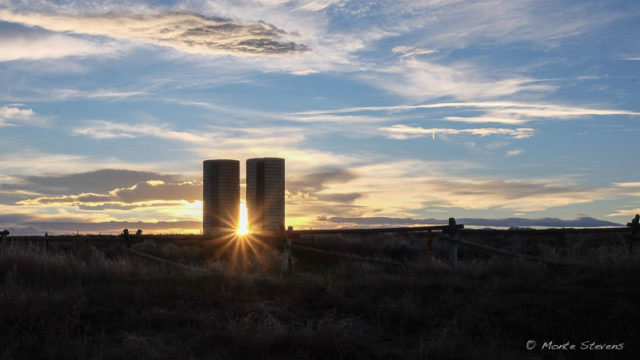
pixel 88 303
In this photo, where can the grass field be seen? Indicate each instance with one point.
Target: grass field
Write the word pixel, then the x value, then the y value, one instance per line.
pixel 84 301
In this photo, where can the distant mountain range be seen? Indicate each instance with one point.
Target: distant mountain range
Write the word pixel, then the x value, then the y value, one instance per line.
pixel 115 227
pixel 506 222
pixel 108 227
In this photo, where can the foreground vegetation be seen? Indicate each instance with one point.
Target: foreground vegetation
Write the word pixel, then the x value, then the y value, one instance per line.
pixel 80 301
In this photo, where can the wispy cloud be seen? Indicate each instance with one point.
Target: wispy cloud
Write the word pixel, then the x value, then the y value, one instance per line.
pixel 412 51
pixel 625 212
pixel 100 129
pixel 501 112
pixel 509 107
pixel 629 188
pixel 65 94
pixel 407 132
pixel 30 162
pixel 310 5
pixel 458 24
pixel 420 79
pixel 485 120
pixel 185 32
pixel 28 46
pixel 300 117
pixel 230 142
pixel 514 152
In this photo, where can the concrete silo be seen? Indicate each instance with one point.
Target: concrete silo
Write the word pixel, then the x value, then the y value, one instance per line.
pixel 265 194
pixel 221 196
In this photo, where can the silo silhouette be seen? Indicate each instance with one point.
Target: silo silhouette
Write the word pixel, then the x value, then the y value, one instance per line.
pixel 221 196
pixel 265 194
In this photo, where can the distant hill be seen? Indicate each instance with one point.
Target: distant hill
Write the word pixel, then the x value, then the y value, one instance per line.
pixel 506 222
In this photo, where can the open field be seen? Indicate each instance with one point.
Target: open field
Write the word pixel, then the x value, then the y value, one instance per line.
pixel 96 301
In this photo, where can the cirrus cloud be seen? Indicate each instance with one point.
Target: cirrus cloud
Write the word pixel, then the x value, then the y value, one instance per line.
pixel 25 46
pixel 401 132
pixel 412 51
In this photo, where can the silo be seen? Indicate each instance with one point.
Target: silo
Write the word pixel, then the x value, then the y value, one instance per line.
pixel 221 196
pixel 265 194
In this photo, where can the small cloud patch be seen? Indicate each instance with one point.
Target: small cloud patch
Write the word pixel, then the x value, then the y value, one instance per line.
pixel 412 51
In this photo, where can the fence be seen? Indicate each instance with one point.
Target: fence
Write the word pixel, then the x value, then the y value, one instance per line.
pixel 451 233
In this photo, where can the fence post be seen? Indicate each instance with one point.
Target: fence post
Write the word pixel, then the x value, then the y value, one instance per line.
pixel 430 242
pixel 127 240
pixel 46 240
pixel 453 255
pixel 634 226
pixel 287 261
pixel 3 235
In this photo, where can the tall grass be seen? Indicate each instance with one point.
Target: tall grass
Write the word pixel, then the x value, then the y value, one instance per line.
pixel 101 303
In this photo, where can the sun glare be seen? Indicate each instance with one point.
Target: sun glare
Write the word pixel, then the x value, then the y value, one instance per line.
pixel 243 226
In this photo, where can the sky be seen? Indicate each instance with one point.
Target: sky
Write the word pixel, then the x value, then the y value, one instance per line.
pixel 387 112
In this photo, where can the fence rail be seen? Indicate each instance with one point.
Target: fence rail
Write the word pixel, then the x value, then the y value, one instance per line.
pixel 498 251
pixel 348 256
pixel 451 233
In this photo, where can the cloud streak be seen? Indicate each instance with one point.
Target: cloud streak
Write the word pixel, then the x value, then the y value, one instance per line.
pixel 529 110
pixel 100 129
pixel 419 79
pixel 625 212
pixel 514 152
pixel 401 132
pixel 227 142
pixel 24 46
pixel 185 32
pixel 412 51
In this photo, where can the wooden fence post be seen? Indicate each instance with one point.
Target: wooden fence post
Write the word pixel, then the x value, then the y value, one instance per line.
pixel 634 226
pixel 453 255
pixel 430 242
pixel 287 261
pixel 3 235
pixel 127 239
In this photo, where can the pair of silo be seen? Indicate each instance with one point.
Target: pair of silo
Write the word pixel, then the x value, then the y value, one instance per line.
pixel 264 194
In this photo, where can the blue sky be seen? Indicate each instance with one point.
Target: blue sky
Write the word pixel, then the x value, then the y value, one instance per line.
pixel 397 109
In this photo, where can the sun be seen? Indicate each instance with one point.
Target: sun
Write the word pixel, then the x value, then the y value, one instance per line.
pixel 243 226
